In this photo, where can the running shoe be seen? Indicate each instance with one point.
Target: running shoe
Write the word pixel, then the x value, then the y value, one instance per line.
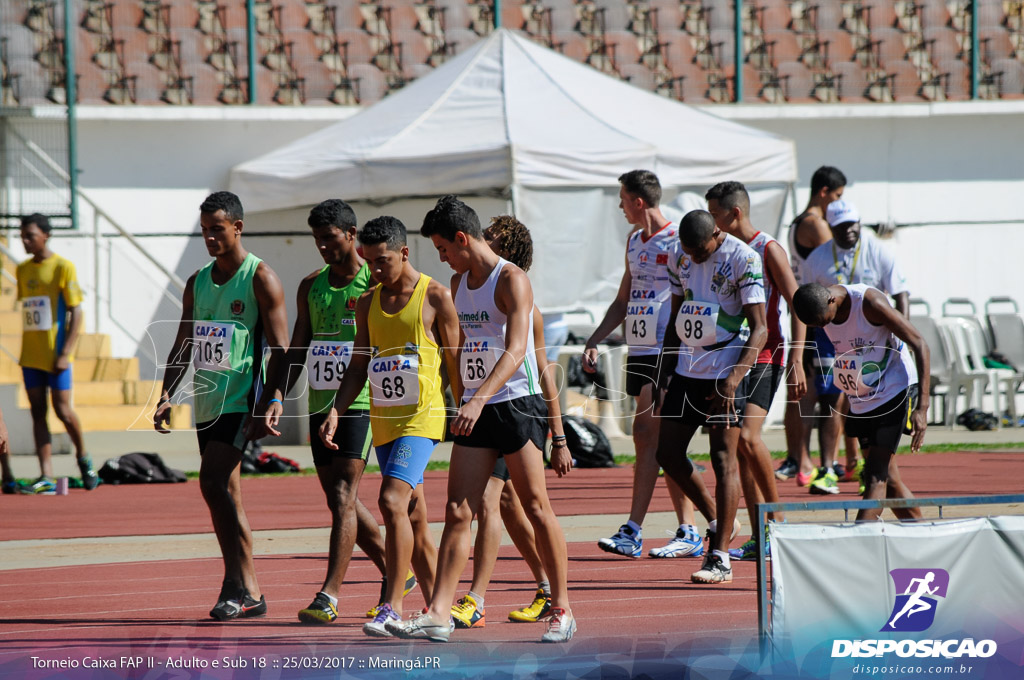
pixel 10 487
pixel 44 486
pixel 787 470
pixel 421 628
pixel 410 583
pixel 839 469
pixel 713 571
pixel 805 479
pixel 561 627
pixel 736 526
pixel 686 543
pixel 319 611
pixel 234 602
pixel 539 609
pixel 625 542
pixel 825 483
pixel 748 551
pixel 466 615
pixel 90 480
pixel 852 473
pixel 378 627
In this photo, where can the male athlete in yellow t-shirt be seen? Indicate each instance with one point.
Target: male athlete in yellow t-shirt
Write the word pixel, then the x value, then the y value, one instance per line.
pixel 49 299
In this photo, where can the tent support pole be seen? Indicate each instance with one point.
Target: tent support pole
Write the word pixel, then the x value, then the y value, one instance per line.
pixel 497 14
pixel 738 52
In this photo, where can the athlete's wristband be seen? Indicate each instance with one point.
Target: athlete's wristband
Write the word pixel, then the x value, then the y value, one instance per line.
pixel 274 401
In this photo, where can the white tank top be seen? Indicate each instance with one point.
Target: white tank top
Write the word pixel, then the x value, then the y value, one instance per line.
pixel 872 365
pixel 484 327
pixel 650 300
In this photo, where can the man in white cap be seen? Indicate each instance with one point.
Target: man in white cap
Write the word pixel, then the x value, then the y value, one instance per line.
pixel 852 256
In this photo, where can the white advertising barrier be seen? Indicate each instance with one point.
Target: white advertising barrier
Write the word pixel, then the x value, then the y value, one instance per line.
pixel 852 597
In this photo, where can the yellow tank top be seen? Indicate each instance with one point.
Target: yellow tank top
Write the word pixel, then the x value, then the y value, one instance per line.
pixel 405 381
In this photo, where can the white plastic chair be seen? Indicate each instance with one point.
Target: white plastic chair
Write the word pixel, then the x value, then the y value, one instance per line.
pixel 964 377
pixel 1001 381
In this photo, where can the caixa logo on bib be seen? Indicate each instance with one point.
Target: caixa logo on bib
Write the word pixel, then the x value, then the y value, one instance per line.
pixel 919 593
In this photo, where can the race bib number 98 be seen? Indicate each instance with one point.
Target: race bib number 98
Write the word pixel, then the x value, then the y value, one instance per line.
pixel 212 342
pixel 37 315
pixel 394 380
pixel 327 362
pixel 697 323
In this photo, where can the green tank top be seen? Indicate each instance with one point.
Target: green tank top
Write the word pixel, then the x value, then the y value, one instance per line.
pixel 225 330
pixel 332 317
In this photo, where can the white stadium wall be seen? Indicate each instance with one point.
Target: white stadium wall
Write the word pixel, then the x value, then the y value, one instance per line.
pixel 951 172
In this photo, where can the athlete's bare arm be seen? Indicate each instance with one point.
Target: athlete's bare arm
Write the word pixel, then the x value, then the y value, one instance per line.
pixel 63 355
pixel 722 400
pixel 279 370
pixel 446 321
pixel 514 297
pixel 613 318
pixel 777 266
pixel 269 295
pixel 355 375
pixel 669 358
pixel 879 312
pixel 178 359
pixel 812 230
pixel 561 459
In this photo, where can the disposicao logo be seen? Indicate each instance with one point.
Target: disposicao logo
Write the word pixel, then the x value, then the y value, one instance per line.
pixel 917 593
pixel 914 610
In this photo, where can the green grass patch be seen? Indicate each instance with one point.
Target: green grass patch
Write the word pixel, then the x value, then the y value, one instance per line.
pixel 627 459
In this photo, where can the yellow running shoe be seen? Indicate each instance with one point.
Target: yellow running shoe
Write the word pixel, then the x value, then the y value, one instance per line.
pixel 466 614
pixel 539 609
pixel 410 583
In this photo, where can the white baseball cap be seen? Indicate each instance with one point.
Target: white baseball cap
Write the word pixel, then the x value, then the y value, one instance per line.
pixel 841 211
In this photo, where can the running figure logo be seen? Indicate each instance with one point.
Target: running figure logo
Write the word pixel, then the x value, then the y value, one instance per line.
pixel 916 590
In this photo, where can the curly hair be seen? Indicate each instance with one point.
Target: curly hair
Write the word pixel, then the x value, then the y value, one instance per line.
pixel 512 239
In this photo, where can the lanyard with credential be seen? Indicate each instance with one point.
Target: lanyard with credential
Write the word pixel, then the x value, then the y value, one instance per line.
pixel 853 267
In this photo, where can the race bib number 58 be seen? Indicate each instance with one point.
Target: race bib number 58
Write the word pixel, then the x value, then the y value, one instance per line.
pixel 394 380
pixel 477 359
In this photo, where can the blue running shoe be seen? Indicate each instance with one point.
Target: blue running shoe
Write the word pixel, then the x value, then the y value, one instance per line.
pixel 625 543
pixel 748 551
pixel 685 543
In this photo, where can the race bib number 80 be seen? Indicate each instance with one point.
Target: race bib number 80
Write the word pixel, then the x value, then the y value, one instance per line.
pixel 37 313
pixel 212 345
pixel 394 380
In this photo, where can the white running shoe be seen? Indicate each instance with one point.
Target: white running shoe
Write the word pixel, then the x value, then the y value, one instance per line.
pixel 686 543
pixel 561 627
pixel 421 628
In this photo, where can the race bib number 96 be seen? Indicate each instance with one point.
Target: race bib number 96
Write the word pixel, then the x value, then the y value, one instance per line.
pixel 212 342
pixel 327 362
pixel 394 380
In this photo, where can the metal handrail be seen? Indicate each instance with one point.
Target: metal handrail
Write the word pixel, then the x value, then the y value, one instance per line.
pixel 50 163
pixel 13 257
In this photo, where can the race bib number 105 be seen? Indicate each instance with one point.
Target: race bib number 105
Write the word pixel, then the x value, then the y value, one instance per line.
pixel 212 345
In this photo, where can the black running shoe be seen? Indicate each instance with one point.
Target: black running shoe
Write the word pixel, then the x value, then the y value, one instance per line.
pixel 90 480
pixel 787 470
pixel 253 607
pixel 229 602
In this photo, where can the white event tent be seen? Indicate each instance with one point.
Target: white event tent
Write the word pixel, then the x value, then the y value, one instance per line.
pixel 513 120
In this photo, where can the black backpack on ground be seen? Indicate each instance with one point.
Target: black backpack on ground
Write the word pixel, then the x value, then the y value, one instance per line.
pixel 588 444
pixel 139 468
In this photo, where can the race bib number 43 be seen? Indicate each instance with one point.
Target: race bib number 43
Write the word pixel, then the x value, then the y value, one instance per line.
pixel 642 314
pixel 212 345
pixel 327 362
pixel 477 360
pixel 697 322
pixel 394 380
pixel 37 314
